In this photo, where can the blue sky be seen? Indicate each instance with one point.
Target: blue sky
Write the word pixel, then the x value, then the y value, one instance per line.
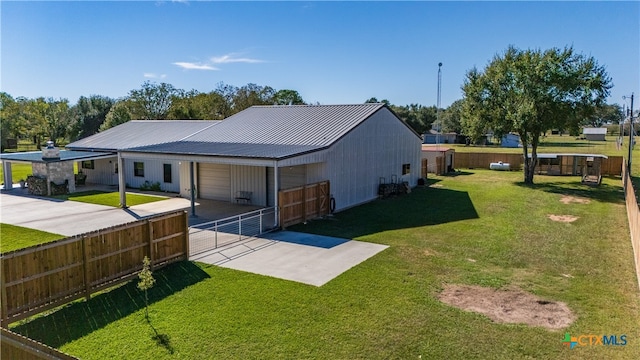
pixel 330 52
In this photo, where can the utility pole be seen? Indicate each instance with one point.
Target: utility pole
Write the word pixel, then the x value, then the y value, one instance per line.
pixel 630 134
pixel 438 105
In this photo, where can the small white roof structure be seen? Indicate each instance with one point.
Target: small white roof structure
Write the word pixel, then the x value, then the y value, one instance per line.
pixel 594 131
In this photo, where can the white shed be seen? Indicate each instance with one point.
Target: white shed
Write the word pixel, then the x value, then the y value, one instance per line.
pixel 595 134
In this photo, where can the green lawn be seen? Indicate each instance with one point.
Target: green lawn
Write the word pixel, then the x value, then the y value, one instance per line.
pixel 480 227
pixel 16 237
pixel 21 171
pixel 18 172
pixel 109 198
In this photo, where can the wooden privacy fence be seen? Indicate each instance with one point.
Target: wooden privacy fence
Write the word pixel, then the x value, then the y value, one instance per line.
pixel 302 203
pixel 44 276
pixel 609 166
pixel 16 346
pixel 483 160
pixel 633 213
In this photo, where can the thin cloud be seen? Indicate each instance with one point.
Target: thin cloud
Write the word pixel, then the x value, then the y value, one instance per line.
pixel 232 58
pixel 194 66
pixel 154 76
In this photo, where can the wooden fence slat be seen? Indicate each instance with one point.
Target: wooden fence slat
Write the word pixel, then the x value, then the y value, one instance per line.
pixel 42 277
pixel 296 205
pixel 16 346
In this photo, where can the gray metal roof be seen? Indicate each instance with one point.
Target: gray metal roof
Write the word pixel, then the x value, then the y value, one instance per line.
pixel 65 155
pixel 137 133
pixel 311 125
pixel 243 150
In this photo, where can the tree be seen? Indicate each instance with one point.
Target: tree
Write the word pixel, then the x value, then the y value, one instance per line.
pixel 417 116
pixel 288 97
pixel 530 92
pixel 119 113
pixel 193 105
pixel 152 101
pixel 605 114
pixel 252 94
pixel 88 115
pixel 146 282
pixel 451 117
pixel 374 100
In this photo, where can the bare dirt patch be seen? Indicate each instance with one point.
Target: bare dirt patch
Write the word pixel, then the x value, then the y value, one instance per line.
pixel 508 306
pixel 568 199
pixel 435 185
pixel 563 218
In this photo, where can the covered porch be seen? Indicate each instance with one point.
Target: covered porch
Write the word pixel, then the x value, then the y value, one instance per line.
pixel 51 168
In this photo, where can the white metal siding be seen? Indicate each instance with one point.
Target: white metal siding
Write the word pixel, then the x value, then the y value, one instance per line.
pixel 316 172
pixel 185 180
pixel 153 172
pixel 250 178
pixel 292 176
pixel 376 148
pixel 270 187
pixel 103 172
pixel 214 181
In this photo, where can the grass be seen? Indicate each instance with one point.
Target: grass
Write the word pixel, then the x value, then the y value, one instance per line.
pixel 21 171
pixel 18 172
pixel 387 306
pixel 16 237
pixel 109 198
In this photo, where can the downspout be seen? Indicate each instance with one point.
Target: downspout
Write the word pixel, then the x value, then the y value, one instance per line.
pixel 122 183
pixel 193 189
pixel 275 192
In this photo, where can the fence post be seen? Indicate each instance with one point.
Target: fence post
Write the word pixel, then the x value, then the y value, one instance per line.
pixel 186 235
pixel 239 227
pixel 215 235
pixel 85 268
pixel 151 247
pixel 3 285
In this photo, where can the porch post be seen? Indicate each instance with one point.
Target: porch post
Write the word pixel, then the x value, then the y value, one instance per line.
pixel 8 181
pixel 193 189
pixel 275 194
pixel 122 182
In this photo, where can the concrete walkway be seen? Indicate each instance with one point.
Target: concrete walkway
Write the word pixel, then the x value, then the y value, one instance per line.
pixel 71 217
pixel 306 258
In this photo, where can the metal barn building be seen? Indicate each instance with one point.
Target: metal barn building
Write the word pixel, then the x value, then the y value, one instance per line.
pixel 265 149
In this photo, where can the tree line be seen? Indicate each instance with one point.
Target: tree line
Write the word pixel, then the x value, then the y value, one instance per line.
pixel 43 119
pixel 525 91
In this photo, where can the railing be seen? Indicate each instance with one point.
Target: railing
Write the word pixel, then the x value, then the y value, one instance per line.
pixel 214 234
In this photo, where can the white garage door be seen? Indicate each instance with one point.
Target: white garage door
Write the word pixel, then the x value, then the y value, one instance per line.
pixel 214 182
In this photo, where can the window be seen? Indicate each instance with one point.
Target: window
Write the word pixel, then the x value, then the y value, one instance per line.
pixel 138 169
pixel 406 169
pixel 88 164
pixel 167 173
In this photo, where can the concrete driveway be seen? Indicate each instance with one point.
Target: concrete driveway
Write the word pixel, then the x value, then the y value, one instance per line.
pixel 71 217
pixel 306 258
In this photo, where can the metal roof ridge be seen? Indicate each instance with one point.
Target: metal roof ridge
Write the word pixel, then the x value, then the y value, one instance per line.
pixel 201 130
